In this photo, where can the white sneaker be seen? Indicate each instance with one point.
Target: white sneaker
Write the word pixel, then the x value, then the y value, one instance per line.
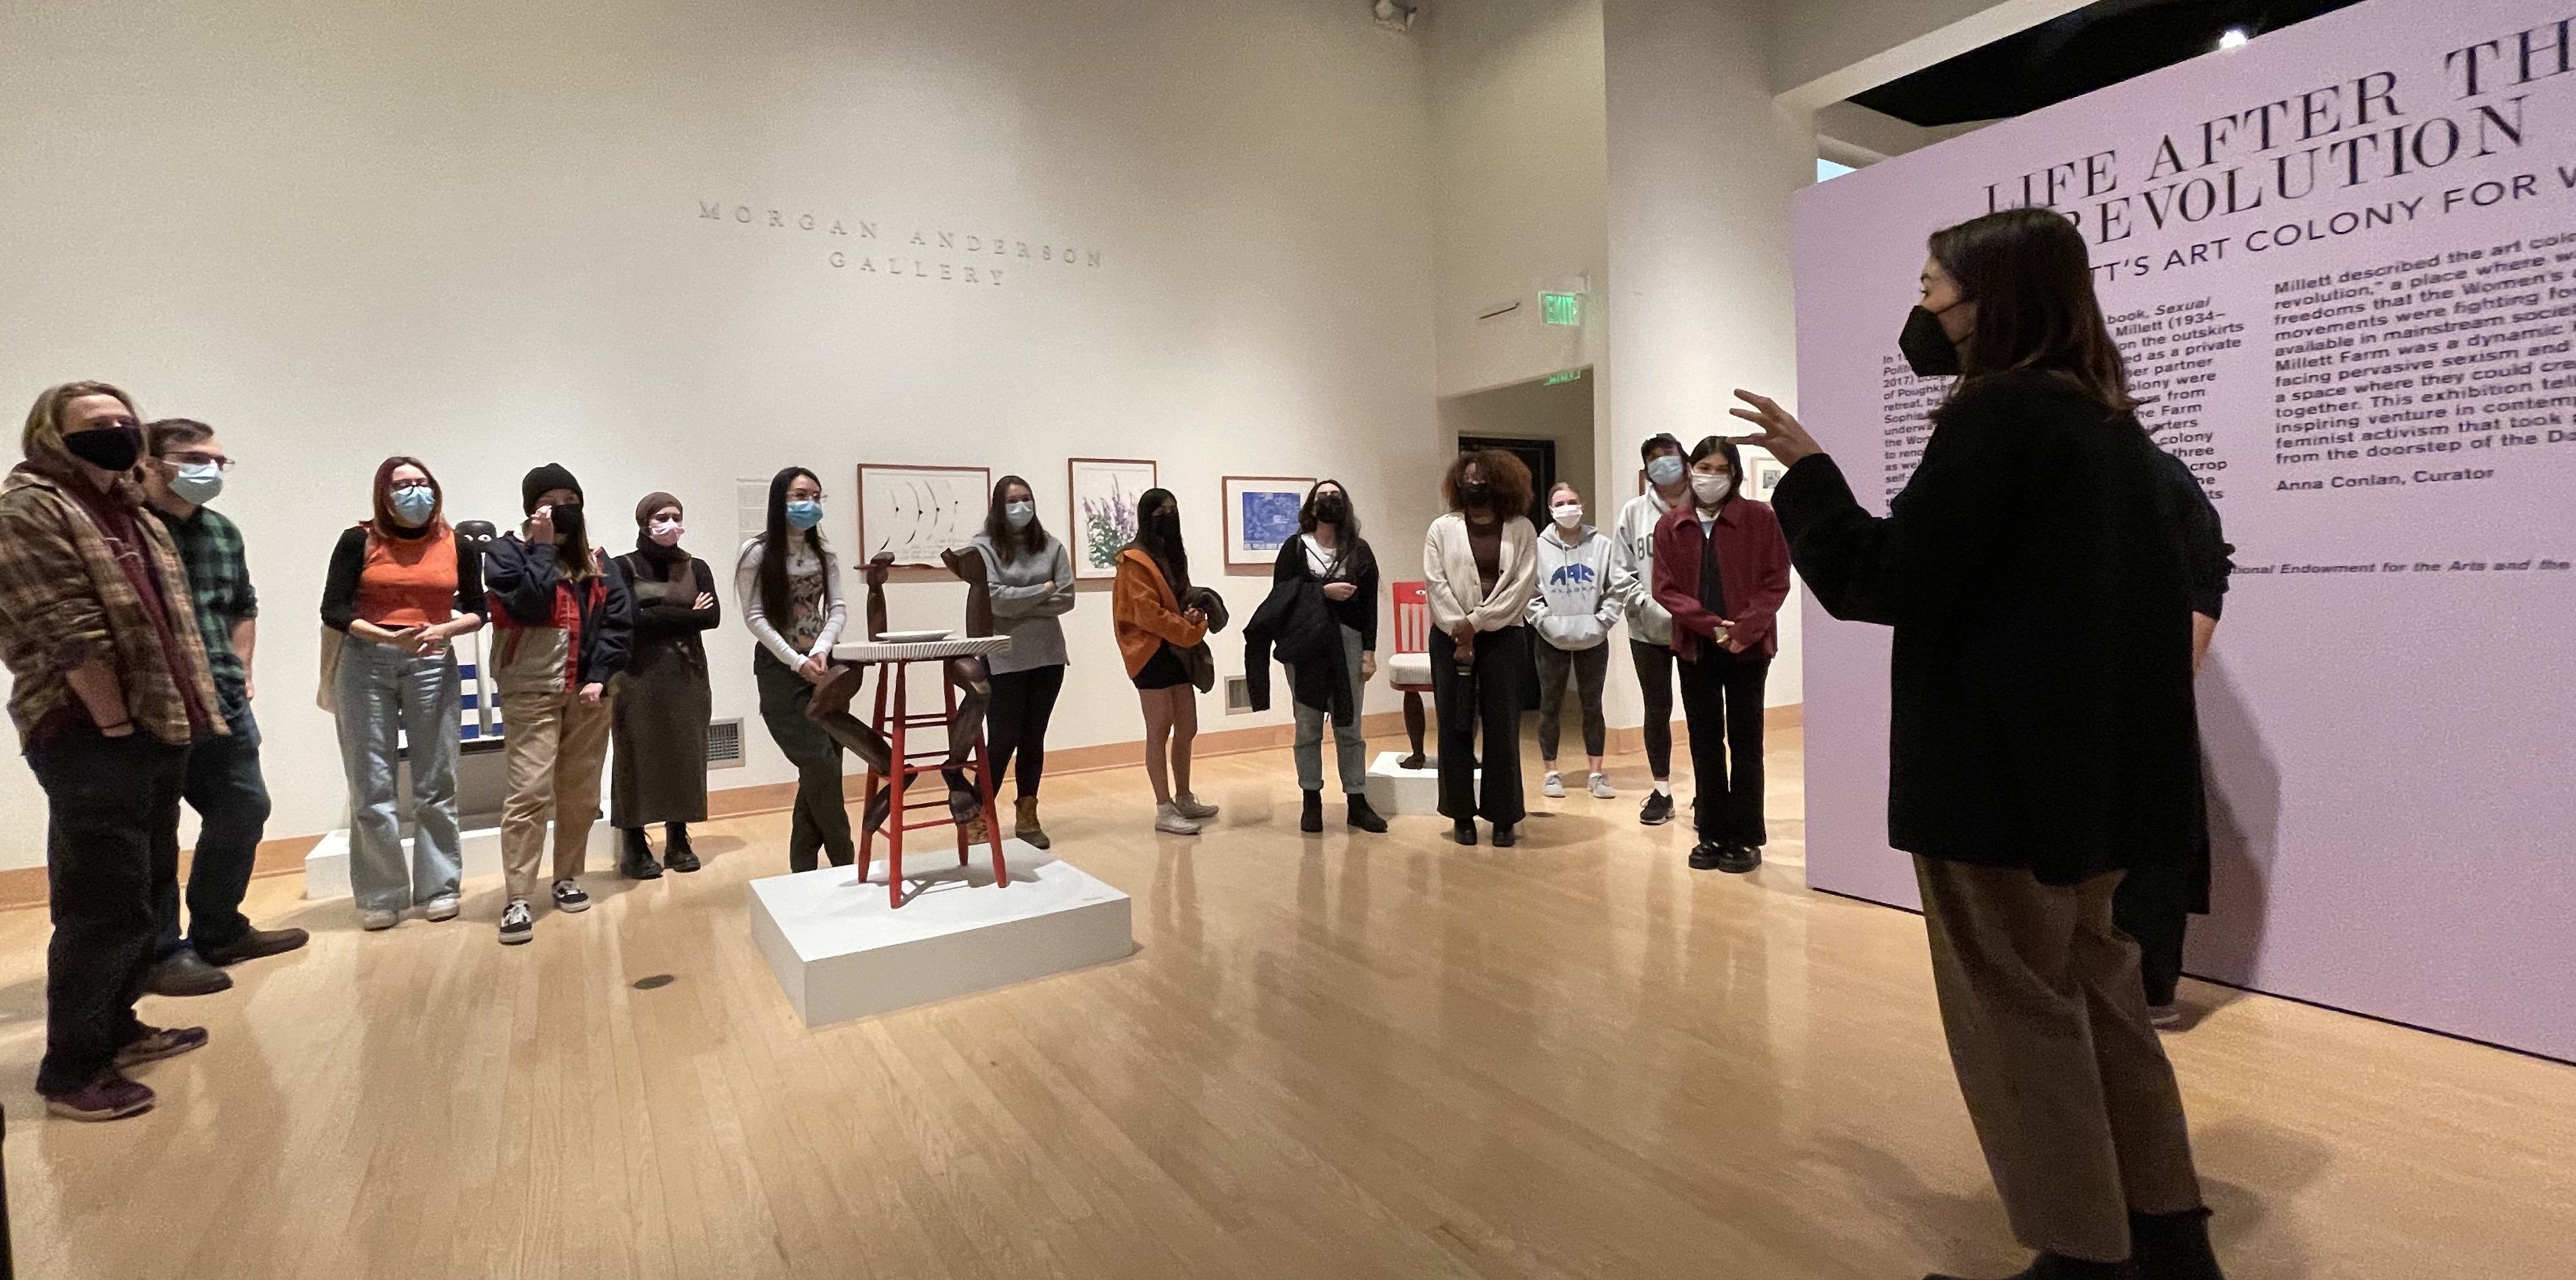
pixel 1188 806
pixel 1601 787
pixel 518 924
pixel 442 907
pixel 1554 787
pixel 1169 820
pixel 372 921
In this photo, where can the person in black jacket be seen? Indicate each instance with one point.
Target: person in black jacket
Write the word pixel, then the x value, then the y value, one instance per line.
pixel 2155 903
pixel 562 626
pixel 662 701
pixel 1329 556
pixel 2042 734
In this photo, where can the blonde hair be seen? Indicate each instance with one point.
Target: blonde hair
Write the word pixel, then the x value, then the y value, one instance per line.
pixel 45 417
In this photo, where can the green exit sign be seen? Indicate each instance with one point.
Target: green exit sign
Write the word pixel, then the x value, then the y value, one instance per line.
pixel 1560 308
pixel 1570 375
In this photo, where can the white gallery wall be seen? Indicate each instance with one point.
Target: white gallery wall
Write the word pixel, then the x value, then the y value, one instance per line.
pixel 496 233
pixel 1701 165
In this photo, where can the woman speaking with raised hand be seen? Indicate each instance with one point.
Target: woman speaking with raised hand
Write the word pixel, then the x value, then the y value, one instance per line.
pixel 2042 736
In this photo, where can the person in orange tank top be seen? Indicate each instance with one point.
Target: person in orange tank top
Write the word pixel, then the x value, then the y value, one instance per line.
pixel 401 587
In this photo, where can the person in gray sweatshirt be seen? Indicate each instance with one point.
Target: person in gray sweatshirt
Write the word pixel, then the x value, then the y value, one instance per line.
pixel 1650 628
pixel 1030 576
pixel 1580 597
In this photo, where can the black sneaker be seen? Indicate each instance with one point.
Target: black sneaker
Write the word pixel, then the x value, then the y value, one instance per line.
pixel 635 859
pixel 569 897
pixel 108 1096
pixel 254 944
pixel 1658 810
pixel 1741 859
pixel 1466 832
pixel 518 924
pixel 676 853
pixel 1506 835
pixel 1706 857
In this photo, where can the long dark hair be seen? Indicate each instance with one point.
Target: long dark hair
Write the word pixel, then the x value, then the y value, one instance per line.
pixel 1346 531
pixel 773 545
pixel 1014 543
pixel 1169 555
pixel 2032 280
pixel 1734 463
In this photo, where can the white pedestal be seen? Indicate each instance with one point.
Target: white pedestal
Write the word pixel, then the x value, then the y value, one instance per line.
pixel 326 868
pixel 841 951
pixel 1397 791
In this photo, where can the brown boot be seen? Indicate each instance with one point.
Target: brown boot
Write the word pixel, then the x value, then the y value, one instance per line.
pixel 1029 830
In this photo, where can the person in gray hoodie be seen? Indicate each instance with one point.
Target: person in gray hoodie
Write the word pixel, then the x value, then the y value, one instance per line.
pixel 1580 597
pixel 1030 576
pixel 1650 628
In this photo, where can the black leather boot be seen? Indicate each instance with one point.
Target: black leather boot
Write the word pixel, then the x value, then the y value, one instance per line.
pixel 1311 819
pixel 637 863
pixel 1364 817
pixel 2052 1266
pixel 2174 1246
pixel 676 853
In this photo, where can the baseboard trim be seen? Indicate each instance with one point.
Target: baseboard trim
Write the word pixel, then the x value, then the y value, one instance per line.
pixel 1774 719
pixel 26 886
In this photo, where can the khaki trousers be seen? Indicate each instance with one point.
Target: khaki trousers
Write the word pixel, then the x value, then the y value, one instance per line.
pixel 2072 1097
pixel 557 743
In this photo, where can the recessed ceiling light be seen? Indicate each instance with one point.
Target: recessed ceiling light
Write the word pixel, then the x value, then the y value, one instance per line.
pixel 2233 38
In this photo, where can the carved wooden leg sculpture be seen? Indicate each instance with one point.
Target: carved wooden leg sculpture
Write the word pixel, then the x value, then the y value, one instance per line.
pixel 1413 727
pixel 830 709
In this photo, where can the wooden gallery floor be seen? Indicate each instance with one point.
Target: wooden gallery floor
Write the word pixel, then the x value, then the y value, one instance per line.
pixel 1332 1058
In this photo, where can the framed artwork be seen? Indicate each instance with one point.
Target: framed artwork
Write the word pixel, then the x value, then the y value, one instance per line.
pixel 918 512
pixel 1103 493
pixel 1261 517
pixel 1766 477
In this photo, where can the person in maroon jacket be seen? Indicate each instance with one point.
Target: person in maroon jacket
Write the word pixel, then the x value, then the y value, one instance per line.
pixel 1722 570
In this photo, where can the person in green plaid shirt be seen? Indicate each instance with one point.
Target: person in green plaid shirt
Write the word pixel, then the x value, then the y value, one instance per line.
pixel 184 470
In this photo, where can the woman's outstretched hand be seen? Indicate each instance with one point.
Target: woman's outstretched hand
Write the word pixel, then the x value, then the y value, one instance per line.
pixel 1782 436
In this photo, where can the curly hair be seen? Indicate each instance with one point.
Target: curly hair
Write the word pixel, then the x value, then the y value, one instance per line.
pixel 1506 476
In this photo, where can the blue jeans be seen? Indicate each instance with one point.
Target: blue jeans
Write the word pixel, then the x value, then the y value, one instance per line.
pixel 383 690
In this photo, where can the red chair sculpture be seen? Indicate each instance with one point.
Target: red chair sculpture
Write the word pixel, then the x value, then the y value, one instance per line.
pixel 1409 671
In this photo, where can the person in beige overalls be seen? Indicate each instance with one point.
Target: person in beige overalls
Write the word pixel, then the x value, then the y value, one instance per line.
pixel 563 626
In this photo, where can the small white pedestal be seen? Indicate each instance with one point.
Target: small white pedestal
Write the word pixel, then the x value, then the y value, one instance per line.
pixel 326 868
pixel 841 951
pixel 1397 791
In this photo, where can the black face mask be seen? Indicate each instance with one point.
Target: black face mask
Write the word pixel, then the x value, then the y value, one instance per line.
pixel 1331 509
pixel 1166 526
pixel 1927 348
pixel 568 525
pixel 1475 493
pixel 107 448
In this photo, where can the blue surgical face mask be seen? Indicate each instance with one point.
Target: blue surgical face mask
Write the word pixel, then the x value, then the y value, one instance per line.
pixel 1664 470
pixel 197 483
pixel 413 504
pixel 1019 514
pixel 804 513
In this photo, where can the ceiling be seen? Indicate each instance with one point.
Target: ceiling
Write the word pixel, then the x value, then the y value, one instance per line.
pixel 2100 44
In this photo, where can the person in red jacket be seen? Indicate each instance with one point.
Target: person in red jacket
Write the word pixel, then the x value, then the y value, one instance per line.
pixel 1722 570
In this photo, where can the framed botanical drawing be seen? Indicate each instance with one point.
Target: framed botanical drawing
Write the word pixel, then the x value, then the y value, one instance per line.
pixel 1103 492
pixel 1261 517
pixel 918 512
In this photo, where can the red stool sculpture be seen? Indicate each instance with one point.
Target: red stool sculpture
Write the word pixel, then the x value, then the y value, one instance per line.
pixel 894 720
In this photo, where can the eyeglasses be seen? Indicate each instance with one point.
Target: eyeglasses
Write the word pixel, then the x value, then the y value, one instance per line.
pixel 199 458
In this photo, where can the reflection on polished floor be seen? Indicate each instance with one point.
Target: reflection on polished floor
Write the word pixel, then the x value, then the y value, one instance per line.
pixel 1338 1057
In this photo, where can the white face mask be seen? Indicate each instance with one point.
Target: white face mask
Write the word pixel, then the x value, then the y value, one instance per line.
pixel 1018 514
pixel 1711 490
pixel 1568 514
pixel 666 532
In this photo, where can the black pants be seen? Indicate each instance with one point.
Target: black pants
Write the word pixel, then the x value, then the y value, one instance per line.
pixel 1587 670
pixel 112 839
pixel 223 784
pixel 1655 679
pixel 1722 701
pixel 1015 723
pixel 821 822
pixel 1491 699
pixel 2154 906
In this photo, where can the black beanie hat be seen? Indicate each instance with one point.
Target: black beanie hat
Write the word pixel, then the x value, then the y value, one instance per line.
pixel 550 476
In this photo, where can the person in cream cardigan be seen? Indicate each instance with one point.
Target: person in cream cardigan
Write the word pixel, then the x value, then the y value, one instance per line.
pixel 1480 564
